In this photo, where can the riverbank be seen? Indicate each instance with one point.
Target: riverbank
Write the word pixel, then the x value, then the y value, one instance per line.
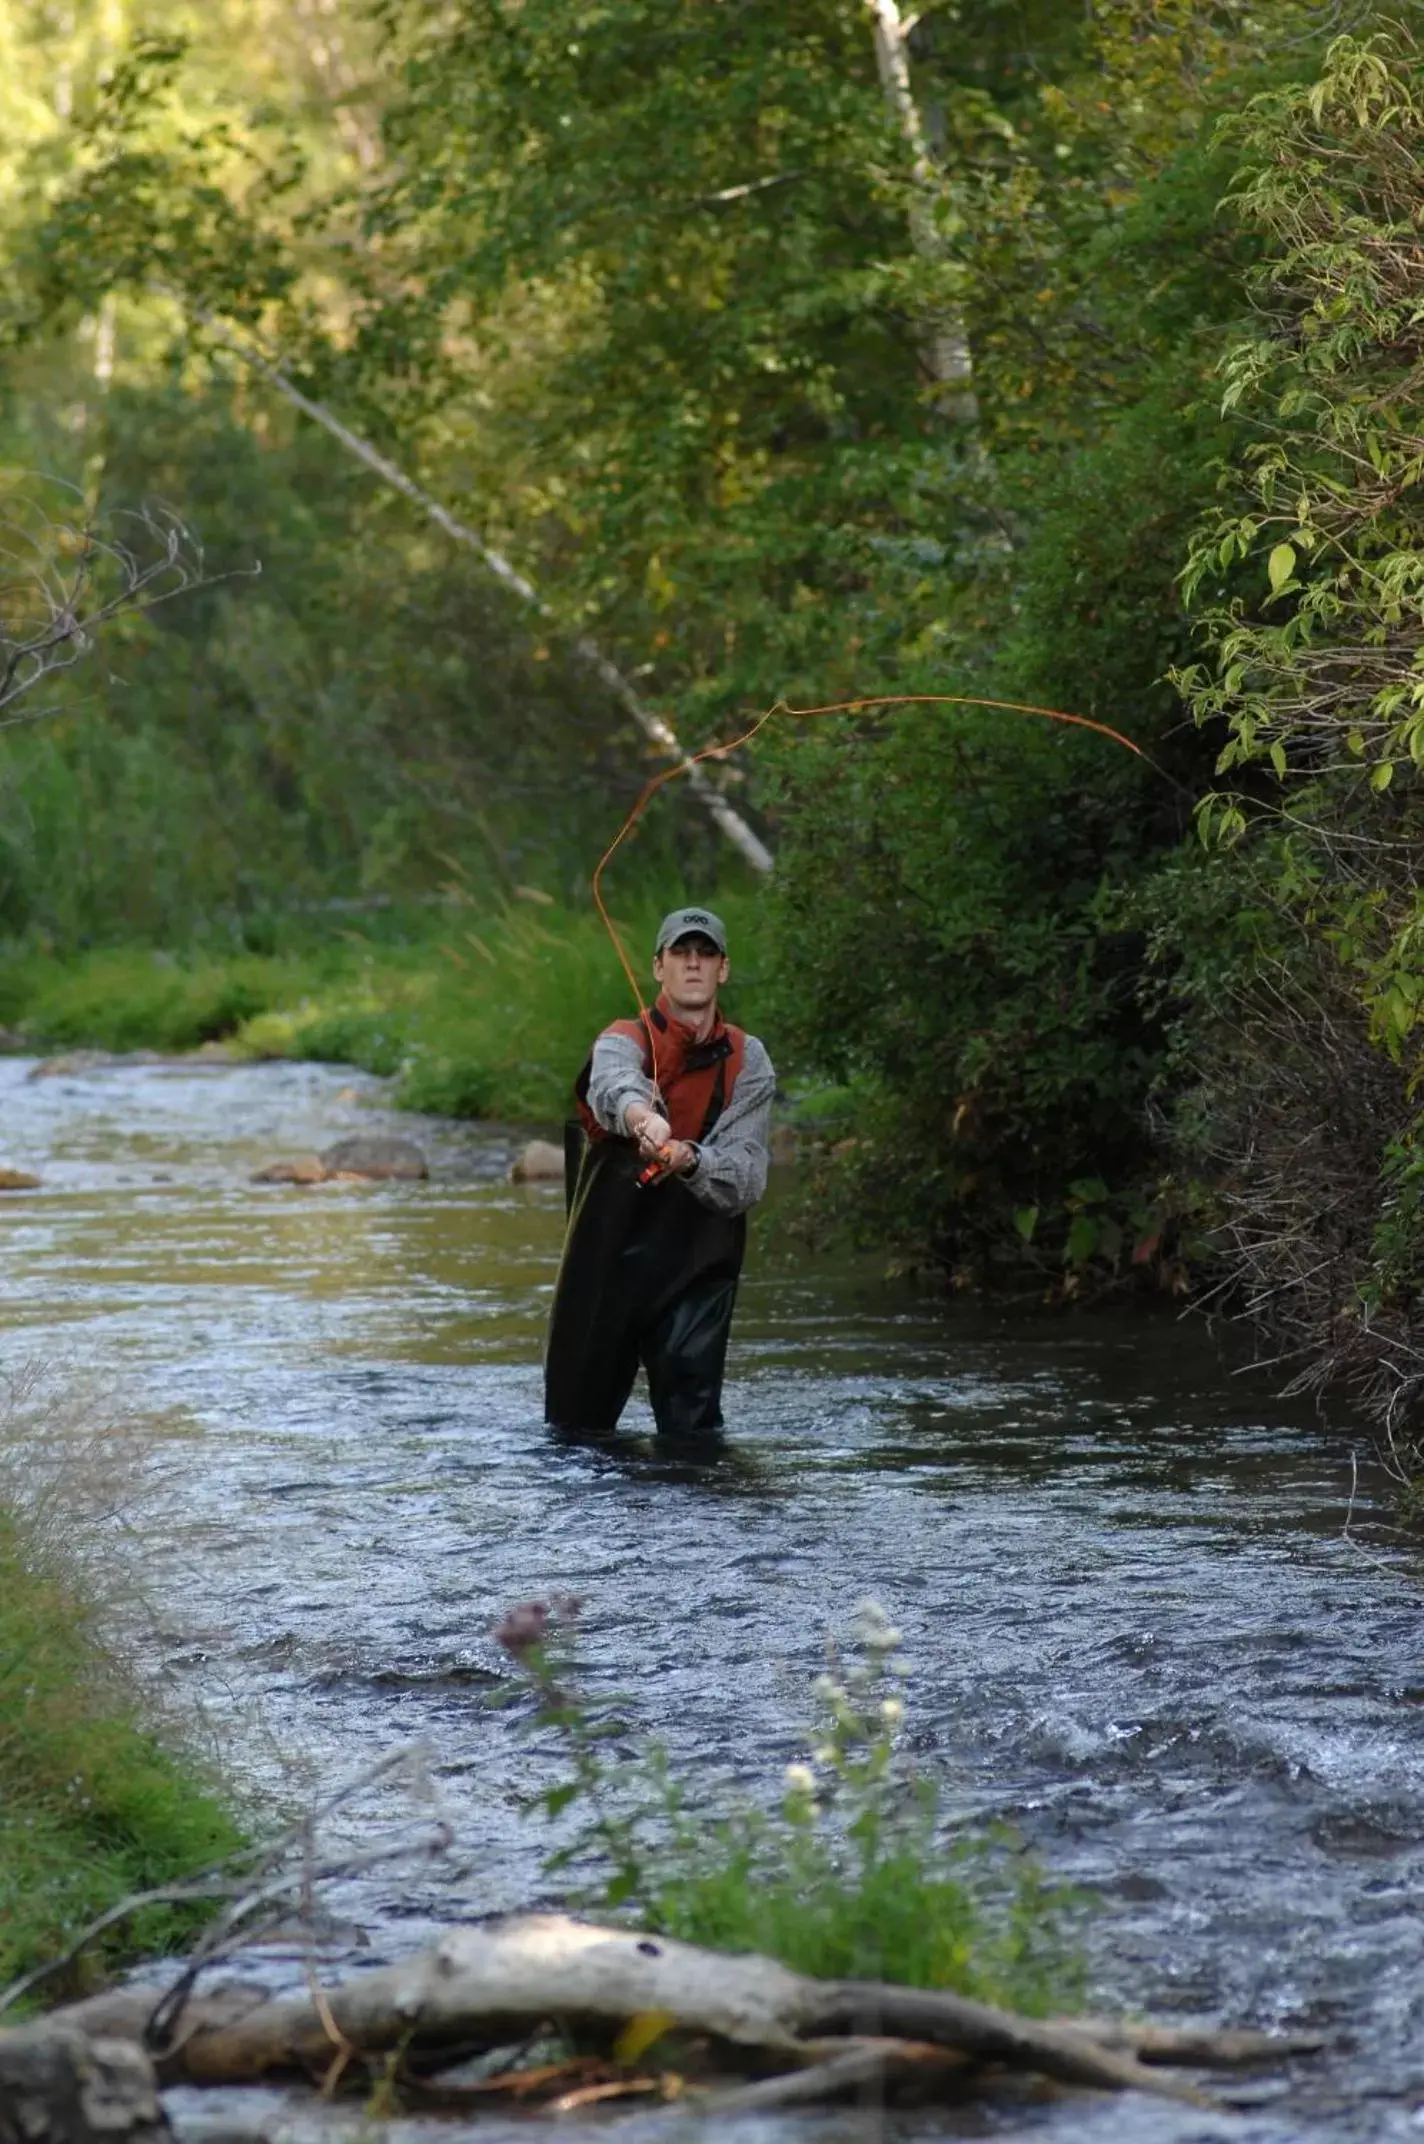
pixel 473 1013
pixel 94 1803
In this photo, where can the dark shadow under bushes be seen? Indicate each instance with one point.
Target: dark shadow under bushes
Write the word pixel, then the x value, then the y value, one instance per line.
pixel 1300 1130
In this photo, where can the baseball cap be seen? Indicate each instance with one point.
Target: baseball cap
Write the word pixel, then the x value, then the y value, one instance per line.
pixel 689 923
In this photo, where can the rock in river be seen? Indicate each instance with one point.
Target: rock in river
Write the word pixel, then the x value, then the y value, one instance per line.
pixel 72 1064
pixel 376 1157
pixel 538 1163
pixel 18 1180
pixel 303 1169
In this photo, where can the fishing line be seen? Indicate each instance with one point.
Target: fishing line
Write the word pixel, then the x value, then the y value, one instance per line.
pixel 806 714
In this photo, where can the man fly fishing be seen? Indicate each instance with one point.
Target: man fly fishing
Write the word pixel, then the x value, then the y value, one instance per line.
pixel 669 1152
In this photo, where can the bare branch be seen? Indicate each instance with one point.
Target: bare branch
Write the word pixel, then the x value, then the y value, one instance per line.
pixel 67 577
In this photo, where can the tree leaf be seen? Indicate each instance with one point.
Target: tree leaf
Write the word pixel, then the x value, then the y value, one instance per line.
pixel 639 2034
pixel 1280 566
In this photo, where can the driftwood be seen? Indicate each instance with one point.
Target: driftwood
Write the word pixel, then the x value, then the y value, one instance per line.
pixel 488 1986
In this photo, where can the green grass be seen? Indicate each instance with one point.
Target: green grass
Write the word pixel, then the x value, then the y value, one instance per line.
pixel 92 1807
pixel 982 1922
pixel 476 1013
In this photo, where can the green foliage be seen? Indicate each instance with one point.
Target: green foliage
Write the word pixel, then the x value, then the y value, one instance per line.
pixel 856 1873
pixel 1318 648
pixel 1297 1023
pixel 478 1009
pixel 360 719
pixel 133 1000
pixel 958 871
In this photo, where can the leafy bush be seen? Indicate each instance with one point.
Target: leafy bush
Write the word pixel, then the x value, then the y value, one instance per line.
pixel 135 999
pixel 1301 1026
pixel 959 872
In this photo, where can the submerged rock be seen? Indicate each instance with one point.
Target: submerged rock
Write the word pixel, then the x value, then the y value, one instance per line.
pixel 366 1160
pixel 302 1169
pixel 18 1180
pixel 381 1159
pixel 74 1061
pixel 541 1162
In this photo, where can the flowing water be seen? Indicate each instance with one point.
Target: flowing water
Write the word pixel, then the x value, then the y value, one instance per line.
pixel 1139 1626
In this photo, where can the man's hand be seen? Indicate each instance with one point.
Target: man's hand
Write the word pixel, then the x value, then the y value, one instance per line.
pixel 651 1131
pixel 678 1156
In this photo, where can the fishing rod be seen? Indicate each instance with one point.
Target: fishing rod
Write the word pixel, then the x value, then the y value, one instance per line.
pixel 724 750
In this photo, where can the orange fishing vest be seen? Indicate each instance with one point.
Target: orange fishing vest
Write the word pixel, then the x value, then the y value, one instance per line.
pixel 695 1079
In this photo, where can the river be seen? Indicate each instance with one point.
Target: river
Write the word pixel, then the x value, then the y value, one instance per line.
pixel 1137 1625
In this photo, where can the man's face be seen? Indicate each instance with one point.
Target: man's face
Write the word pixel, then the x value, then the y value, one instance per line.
pixel 691 971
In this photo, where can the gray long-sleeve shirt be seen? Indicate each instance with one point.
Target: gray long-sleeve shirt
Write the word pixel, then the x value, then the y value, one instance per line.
pixel 731 1175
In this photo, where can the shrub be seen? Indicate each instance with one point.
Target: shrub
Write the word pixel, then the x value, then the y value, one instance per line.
pixel 1302 1116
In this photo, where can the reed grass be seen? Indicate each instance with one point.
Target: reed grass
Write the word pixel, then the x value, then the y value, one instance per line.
pixel 95 1803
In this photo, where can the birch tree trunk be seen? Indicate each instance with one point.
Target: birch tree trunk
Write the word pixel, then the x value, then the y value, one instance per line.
pixel 945 348
pixel 653 725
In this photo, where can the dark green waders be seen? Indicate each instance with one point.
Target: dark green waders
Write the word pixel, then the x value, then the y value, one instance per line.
pixel 648 1276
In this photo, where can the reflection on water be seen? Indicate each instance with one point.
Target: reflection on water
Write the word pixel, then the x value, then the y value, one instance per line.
pixel 1136 1627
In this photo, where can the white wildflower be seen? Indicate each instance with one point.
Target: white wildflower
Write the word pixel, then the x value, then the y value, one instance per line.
pixel 800 1779
pixel 892 1711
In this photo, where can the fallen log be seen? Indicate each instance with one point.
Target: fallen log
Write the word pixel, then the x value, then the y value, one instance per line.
pixel 490 1984
pixel 1206 2047
pixel 845 2067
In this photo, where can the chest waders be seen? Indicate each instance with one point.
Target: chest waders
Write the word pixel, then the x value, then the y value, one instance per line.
pixel 649 1275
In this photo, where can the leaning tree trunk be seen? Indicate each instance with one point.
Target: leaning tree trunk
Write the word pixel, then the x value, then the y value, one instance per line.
pixel 654 726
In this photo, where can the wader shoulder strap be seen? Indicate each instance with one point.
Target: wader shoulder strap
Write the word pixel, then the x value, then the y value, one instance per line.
pixel 729 1065
pixel 716 1102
